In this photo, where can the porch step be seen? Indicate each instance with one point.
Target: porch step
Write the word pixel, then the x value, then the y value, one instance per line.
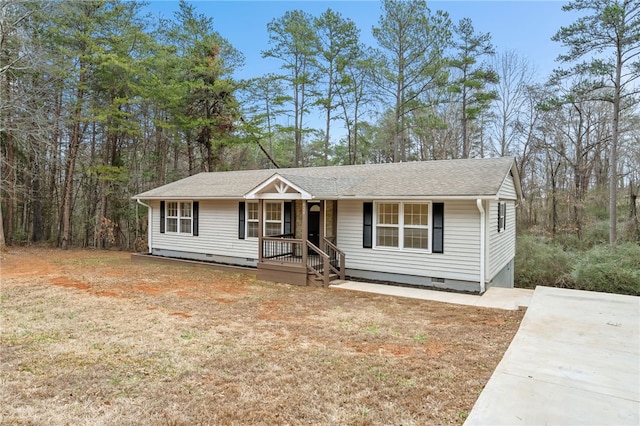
pixel 319 282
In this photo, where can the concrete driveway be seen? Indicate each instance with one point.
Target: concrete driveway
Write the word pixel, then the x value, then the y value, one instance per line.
pixel 574 361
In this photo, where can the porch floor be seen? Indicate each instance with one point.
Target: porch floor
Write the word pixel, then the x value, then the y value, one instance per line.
pixel 510 299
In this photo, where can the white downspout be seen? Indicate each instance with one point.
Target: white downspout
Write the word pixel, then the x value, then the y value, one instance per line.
pixel 482 243
pixel 149 223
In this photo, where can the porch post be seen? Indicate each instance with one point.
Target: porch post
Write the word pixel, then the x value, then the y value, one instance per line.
pixel 323 212
pixel 305 231
pixel 260 229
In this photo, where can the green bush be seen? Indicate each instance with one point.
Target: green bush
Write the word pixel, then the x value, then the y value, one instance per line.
pixel 540 262
pixel 612 270
pixel 594 234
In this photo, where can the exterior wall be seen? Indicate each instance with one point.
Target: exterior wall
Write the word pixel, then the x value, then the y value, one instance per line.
pixel 501 248
pixel 508 190
pixel 297 218
pixel 504 278
pixel 460 261
pixel 330 219
pixel 414 280
pixel 217 240
pixel 457 268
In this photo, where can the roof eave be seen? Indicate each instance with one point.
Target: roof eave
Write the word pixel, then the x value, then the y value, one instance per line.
pixel 342 197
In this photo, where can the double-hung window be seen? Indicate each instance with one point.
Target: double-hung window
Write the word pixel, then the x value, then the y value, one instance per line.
pixel 179 217
pixel 416 226
pixel 253 220
pixel 273 223
pixel 402 225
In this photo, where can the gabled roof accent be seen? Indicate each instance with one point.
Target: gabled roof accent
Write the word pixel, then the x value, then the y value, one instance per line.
pixel 462 179
pixel 278 187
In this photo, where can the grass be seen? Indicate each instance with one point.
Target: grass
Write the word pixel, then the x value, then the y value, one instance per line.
pixel 91 338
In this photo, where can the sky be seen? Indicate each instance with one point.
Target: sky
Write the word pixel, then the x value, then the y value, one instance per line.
pixel 522 26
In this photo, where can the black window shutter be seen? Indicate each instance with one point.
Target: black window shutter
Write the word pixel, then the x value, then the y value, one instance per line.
pixel 288 207
pixel 499 216
pixel 162 213
pixel 437 245
pixel 196 217
pixel 241 220
pixel 367 225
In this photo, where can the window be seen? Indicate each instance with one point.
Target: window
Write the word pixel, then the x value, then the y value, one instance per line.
pixel 502 216
pixel 387 227
pixel 416 226
pixel 272 218
pixel 402 225
pixel 252 220
pixel 179 217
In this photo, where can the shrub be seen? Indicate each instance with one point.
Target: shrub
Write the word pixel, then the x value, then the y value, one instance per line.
pixel 540 262
pixel 594 234
pixel 612 270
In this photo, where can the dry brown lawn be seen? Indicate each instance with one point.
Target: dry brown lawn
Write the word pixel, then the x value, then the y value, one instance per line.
pixel 90 338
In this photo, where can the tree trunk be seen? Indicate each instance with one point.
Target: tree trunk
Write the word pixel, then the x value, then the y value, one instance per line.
pixel 71 162
pixel 3 245
pixel 613 155
pixel 10 178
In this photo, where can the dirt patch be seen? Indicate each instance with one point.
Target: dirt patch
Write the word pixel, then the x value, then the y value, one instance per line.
pixel 91 337
pixel 69 283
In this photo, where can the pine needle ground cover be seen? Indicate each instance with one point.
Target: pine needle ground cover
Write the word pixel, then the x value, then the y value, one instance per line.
pixel 88 337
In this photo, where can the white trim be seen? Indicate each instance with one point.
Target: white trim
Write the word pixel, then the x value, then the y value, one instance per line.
pixel 483 232
pixel 179 217
pixel 264 217
pixel 502 212
pixel 282 185
pixel 294 196
pixel 246 220
pixel 401 226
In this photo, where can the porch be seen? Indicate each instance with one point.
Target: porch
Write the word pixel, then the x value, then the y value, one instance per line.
pixel 296 232
pixel 296 261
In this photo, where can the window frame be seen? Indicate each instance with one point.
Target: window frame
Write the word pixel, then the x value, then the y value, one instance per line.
pixel 265 221
pixel 178 217
pixel 401 226
pixel 502 219
pixel 247 220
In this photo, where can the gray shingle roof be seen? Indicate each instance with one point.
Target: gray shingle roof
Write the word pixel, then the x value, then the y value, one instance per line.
pixel 445 178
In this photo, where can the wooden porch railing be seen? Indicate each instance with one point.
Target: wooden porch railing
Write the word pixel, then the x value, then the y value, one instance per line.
pixel 327 263
pixel 282 248
pixel 323 262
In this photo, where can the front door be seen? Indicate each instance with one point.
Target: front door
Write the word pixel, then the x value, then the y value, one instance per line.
pixel 314 224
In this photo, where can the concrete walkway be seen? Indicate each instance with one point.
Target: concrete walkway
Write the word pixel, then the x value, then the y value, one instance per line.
pixel 574 361
pixel 499 298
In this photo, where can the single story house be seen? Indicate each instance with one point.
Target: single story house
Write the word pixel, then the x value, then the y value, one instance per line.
pixel 446 224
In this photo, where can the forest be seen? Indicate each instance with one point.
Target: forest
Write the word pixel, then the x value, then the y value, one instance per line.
pixel 101 101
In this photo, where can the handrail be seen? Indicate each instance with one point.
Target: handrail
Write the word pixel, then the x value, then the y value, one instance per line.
pixel 313 263
pixel 327 261
pixel 339 257
pixel 281 249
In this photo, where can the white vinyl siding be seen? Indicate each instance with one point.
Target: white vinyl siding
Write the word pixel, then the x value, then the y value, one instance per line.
pixel 502 245
pixel 501 248
pixel 460 260
pixel 508 190
pixel 218 232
